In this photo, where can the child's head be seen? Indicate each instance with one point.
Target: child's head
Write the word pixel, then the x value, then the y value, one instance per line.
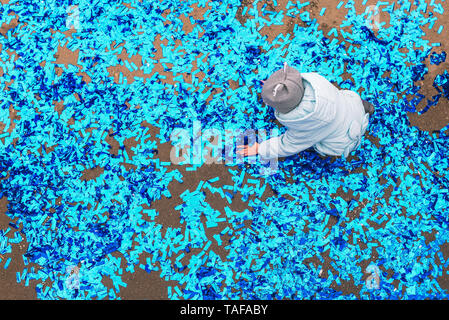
pixel 283 90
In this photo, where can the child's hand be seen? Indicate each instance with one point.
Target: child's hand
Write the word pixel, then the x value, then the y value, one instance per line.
pixel 248 151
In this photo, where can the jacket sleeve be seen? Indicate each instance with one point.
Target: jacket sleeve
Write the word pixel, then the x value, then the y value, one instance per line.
pixel 283 146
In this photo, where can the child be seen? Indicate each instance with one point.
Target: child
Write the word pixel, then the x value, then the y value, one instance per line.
pixel 316 114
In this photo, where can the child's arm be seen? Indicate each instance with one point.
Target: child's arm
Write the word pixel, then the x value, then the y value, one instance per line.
pixel 283 146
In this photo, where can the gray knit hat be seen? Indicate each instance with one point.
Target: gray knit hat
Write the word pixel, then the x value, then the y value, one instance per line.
pixel 284 89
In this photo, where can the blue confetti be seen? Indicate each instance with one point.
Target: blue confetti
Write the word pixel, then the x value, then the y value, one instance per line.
pixel 275 248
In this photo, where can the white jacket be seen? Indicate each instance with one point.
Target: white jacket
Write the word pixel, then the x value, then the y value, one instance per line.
pixel 334 127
